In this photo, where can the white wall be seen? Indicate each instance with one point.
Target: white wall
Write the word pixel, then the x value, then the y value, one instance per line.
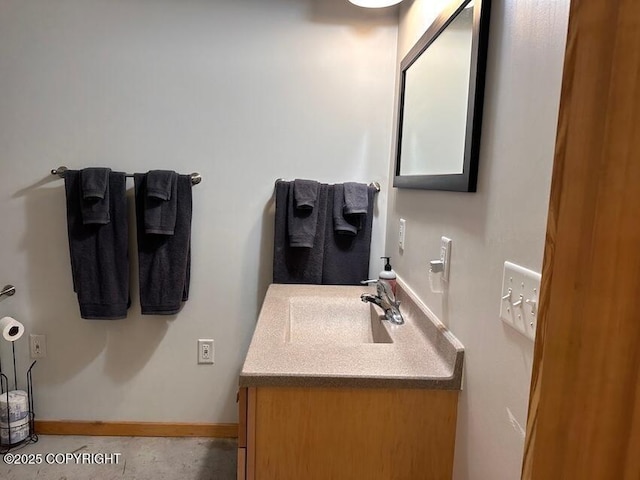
pixel 504 220
pixel 243 92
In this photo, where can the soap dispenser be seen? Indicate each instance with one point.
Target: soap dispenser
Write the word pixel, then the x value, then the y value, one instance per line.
pixel 388 274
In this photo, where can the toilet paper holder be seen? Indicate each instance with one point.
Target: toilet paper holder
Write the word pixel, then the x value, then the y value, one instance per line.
pixel 12 437
pixel 8 290
pixel 15 436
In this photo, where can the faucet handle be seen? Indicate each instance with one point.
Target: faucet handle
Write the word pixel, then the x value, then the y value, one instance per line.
pixel 383 290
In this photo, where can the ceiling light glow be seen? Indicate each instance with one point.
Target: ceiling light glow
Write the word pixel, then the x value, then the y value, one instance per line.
pixel 375 3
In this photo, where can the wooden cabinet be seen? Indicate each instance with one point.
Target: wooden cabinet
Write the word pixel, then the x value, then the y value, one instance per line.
pixel 293 433
pixel 242 434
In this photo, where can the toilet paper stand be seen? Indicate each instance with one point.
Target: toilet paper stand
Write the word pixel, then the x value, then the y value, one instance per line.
pixel 15 435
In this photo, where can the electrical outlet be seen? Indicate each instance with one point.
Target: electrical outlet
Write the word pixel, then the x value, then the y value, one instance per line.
pixel 205 351
pixel 401 233
pixel 38 346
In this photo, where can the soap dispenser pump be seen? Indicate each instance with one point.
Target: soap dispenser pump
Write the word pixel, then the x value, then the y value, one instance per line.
pixel 389 274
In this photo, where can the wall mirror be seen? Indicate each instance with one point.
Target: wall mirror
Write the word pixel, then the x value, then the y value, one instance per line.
pixel 441 89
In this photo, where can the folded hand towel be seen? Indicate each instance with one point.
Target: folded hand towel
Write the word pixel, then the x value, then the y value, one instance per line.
pixel 160 202
pixel 94 186
pixel 301 223
pixel 95 182
pixel 343 224
pixel 356 201
pixel 306 193
pixel 161 184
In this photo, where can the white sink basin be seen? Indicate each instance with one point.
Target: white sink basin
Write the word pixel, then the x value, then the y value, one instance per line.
pixel 338 321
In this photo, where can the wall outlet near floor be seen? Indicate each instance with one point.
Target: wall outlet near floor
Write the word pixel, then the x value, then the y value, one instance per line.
pixel 205 351
pixel 38 346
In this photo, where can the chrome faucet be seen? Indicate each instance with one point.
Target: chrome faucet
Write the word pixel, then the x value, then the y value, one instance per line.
pixel 385 299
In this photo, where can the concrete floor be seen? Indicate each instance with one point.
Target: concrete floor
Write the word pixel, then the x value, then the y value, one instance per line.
pixel 141 458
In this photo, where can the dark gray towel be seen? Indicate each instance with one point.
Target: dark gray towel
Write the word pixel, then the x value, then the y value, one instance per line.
pixel 342 224
pixel 298 265
pixel 306 193
pixel 346 257
pixel 161 184
pixel 301 223
pixel 161 206
pixel 95 195
pixel 164 261
pixel 356 198
pixel 99 253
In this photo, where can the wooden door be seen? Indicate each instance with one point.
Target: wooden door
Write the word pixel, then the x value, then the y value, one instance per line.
pixel 584 411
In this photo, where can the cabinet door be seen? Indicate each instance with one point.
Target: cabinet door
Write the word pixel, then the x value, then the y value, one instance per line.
pixel 242 418
pixel 242 462
pixel 351 434
pixel 246 433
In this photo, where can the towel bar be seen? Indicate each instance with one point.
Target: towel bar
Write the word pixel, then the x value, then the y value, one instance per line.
pixel 375 185
pixel 196 178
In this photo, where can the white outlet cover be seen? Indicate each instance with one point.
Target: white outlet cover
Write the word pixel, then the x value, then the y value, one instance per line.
pixel 38 346
pixel 206 352
pixel 526 283
pixel 402 233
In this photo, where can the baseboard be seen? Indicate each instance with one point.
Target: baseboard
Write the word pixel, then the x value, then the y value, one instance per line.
pixel 136 429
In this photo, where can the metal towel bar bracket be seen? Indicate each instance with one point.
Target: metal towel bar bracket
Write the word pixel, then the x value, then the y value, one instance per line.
pixel 8 290
pixel 196 178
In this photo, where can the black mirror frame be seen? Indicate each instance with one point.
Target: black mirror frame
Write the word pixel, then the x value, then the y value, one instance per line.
pixel 466 181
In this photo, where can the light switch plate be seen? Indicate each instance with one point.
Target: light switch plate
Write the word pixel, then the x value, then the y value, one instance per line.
pixel 401 233
pixel 520 310
pixel 445 257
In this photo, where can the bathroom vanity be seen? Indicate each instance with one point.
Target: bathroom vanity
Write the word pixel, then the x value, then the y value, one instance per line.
pixel 329 389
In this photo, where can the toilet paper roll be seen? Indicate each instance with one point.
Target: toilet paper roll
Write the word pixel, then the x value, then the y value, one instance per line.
pixel 14 432
pixel 11 329
pixel 14 406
